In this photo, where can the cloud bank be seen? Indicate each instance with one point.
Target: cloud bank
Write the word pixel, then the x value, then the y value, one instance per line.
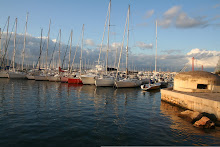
pixel 167 59
pixel 143 45
pixel 206 58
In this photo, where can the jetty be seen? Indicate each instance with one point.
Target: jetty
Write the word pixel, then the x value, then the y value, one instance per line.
pixel 195 90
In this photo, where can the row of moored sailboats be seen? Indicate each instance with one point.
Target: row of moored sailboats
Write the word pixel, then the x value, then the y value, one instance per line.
pixel 100 76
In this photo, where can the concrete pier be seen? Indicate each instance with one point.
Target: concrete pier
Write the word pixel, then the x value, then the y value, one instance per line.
pixel 201 102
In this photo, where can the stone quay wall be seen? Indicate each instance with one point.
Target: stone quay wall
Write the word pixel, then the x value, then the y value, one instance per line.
pixel 193 101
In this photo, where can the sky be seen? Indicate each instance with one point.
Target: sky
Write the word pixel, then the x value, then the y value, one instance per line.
pixel 185 28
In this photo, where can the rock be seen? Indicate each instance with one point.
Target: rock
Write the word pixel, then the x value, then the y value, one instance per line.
pixel 204 122
pixel 210 116
pixel 192 116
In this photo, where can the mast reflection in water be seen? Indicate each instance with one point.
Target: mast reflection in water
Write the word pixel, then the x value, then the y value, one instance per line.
pixel 42 113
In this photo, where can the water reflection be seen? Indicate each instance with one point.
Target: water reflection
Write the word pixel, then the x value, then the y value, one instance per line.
pixel 66 114
pixel 182 127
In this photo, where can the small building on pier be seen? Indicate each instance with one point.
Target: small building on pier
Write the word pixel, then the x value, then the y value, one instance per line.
pixel 195 90
pixel 197 81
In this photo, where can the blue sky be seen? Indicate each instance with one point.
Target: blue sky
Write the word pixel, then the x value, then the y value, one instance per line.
pixel 183 25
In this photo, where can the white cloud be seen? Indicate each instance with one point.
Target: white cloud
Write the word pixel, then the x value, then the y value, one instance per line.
pixel 178 18
pixel 143 45
pixel 89 42
pixel 184 21
pixel 149 14
pixel 169 16
pixel 43 37
pixel 206 58
pixel 172 12
pixel 172 51
pixel 116 45
pixel 54 40
pixel 165 23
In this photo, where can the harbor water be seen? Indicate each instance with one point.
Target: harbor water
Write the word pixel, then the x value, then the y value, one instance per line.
pixel 41 113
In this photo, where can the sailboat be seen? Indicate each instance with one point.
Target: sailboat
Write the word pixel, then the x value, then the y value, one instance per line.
pixel 55 77
pixel 89 78
pixel 127 81
pixel 65 75
pixel 3 73
pixel 18 74
pixel 155 85
pixel 42 76
pixel 106 80
pixel 76 79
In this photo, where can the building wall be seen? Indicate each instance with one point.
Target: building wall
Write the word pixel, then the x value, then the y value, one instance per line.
pixel 190 85
pixel 191 102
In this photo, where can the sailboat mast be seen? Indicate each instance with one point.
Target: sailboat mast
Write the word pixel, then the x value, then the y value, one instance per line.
pixel 108 37
pixel 156 50
pixel 70 49
pixel 24 42
pixel 127 43
pixel 0 44
pixel 103 34
pixel 14 45
pixel 116 53
pixel 59 48
pixel 40 46
pixel 81 50
pixel 119 61
pixel 48 43
pixel 5 44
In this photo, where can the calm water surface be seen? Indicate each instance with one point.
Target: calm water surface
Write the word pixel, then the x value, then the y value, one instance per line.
pixel 37 113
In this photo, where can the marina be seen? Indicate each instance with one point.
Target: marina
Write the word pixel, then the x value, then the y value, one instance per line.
pixel 109 73
pixel 43 113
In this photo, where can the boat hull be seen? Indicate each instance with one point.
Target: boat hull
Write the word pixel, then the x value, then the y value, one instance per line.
pixel 17 75
pixel 41 78
pixel 127 84
pixel 3 74
pixel 64 79
pixel 104 82
pixel 29 77
pixel 54 79
pixel 150 86
pixel 74 81
pixel 88 80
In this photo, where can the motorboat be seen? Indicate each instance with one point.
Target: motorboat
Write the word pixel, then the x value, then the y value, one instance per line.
pixel 149 86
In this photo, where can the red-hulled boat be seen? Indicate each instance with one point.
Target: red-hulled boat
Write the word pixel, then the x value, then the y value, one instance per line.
pixel 75 80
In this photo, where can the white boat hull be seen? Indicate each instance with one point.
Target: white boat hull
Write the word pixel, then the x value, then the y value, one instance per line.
pixel 88 80
pixel 3 74
pixel 40 78
pixel 54 79
pixel 127 83
pixel 17 75
pixel 29 77
pixel 105 82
